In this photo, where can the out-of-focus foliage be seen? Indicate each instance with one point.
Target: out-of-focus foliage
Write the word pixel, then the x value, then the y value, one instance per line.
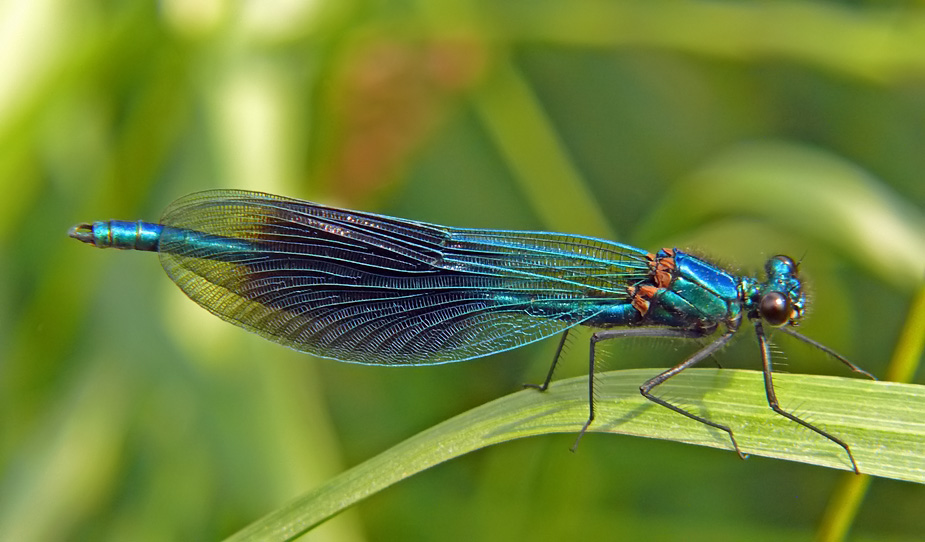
pixel 737 129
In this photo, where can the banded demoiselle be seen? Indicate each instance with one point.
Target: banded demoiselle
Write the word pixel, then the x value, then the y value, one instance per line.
pixel 366 288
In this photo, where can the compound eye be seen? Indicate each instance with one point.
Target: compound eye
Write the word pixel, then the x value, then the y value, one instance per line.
pixel 775 308
pixel 781 265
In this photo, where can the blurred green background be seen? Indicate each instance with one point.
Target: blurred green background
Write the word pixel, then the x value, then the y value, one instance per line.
pixel 737 130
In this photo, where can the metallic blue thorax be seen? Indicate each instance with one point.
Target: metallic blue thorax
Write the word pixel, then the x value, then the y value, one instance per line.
pixel 700 295
pixel 680 291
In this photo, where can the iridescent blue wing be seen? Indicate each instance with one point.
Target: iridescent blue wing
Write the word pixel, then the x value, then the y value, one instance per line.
pixel 373 289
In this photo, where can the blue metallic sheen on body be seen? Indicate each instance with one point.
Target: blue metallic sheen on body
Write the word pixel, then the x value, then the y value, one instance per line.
pixel 120 234
pixel 699 296
pixel 720 283
pixel 196 244
pixel 373 289
pixel 687 305
pixel 616 315
pixel 367 288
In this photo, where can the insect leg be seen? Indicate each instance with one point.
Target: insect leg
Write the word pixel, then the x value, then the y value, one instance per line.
pixel 706 351
pixel 552 368
pixel 637 332
pixel 827 350
pixel 772 397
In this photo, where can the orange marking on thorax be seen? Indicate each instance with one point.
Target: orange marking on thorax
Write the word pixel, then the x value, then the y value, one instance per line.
pixel 662 273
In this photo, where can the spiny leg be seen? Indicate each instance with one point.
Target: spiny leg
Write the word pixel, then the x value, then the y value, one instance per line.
pixel 828 351
pixel 772 396
pixel 621 333
pixel 706 351
pixel 552 368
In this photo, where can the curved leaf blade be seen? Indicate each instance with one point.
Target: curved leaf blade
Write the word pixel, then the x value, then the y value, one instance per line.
pixel 883 422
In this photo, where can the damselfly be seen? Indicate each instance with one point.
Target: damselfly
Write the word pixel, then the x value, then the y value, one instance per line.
pixel 367 288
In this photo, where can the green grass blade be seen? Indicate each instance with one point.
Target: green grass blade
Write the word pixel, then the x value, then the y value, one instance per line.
pixel 846 500
pixel 883 422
